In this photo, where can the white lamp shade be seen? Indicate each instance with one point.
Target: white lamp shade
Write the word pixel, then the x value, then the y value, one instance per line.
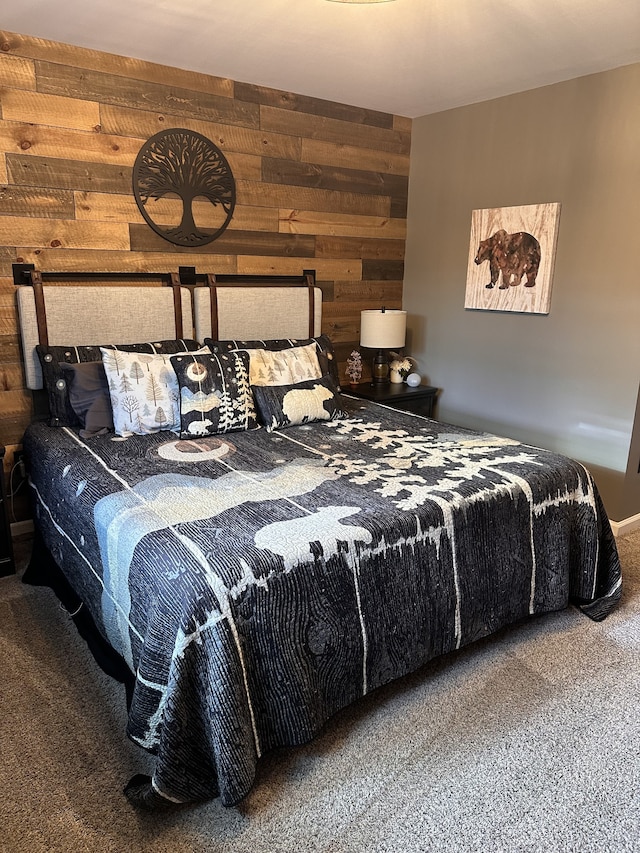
pixel 383 329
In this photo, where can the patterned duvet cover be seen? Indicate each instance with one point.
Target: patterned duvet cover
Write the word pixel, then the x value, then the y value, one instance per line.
pixel 255 583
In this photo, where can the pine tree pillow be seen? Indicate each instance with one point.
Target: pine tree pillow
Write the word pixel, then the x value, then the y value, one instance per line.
pixel 144 391
pixel 215 393
pixel 323 350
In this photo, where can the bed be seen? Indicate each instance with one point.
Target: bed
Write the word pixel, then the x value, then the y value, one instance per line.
pixel 248 579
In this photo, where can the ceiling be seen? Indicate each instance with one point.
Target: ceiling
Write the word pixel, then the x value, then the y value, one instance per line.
pixel 407 57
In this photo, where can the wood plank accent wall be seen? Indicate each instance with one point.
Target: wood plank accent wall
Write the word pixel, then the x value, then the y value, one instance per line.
pixel 320 185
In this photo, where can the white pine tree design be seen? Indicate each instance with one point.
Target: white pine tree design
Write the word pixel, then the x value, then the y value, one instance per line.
pixel 130 405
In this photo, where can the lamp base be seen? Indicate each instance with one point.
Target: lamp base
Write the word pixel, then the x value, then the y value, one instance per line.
pixel 380 370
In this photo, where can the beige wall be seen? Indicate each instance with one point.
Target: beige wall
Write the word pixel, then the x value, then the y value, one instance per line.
pixel 567 381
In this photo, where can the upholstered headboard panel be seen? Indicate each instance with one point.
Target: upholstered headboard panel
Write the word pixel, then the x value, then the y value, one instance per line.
pixel 226 307
pixel 256 313
pixel 81 315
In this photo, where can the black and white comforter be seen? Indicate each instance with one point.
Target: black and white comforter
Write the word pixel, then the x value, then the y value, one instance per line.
pixel 256 583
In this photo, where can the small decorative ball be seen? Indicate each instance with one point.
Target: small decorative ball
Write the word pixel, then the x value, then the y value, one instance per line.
pixel 413 379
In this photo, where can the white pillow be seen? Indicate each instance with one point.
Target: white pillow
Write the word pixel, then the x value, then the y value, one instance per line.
pixel 144 391
pixel 284 367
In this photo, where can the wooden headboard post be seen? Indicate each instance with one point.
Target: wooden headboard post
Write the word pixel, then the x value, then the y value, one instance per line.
pixel 177 304
pixel 213 297
pixel 41 312
pixel 310 277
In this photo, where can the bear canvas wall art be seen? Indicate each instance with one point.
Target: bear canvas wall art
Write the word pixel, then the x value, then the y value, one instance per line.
pixel 511 255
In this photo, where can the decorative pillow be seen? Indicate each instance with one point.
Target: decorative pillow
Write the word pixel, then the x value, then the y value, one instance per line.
pixel 144 391
pixel 289 405
pixel 283 367
pixel 325 353
pixel 89 396
pixel 215 393
pixel 60 408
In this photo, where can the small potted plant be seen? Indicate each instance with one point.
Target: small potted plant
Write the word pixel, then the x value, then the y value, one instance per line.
pixel 354 367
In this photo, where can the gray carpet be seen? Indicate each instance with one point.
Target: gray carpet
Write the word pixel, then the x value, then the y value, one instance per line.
pixel 528 741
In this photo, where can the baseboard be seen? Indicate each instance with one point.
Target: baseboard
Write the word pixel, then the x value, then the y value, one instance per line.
pixel 627 525
pixel 21 528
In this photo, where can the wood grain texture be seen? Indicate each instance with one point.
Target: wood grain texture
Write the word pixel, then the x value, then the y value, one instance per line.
pixel 35 171
pixel 9 349
pixel 281 195
pixel 402 123
pixel 377 292
pixel 62 233
pixel 8 316
pixel 312 106
pixel 352 156
pixel 106 88
pixel 16 45
pixel 17 71
pixel 69 260
pixel 341 224
pixel 7 257
pixel 36 201
pixel 325 269
pixel 335 130
pixel 382 270
pixel 15 407
pixel 141 124
pixel 73 145
pixel 112 207
pixel 19 105
pixel 333 178
pixel 320 185
pixel 355 247
pixel 11 378
pixel 231 243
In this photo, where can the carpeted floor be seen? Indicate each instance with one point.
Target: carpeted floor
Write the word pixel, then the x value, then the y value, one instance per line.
pixel 528 741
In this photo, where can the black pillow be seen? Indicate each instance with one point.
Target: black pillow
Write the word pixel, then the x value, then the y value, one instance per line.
pixel 51 358
pixel 282 406
pixel 326 355
pixel 215 394
pixel 89 396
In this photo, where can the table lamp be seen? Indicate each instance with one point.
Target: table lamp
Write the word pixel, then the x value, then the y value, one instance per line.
pixel 382 329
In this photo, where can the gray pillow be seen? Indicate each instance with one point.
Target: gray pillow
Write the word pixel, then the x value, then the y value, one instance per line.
pixel 89 396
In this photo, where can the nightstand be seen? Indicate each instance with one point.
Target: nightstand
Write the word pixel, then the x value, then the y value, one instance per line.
pixel 419 400
pixel 7 566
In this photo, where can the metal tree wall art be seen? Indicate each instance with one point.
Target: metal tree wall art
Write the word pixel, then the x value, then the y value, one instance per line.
pixel 185 180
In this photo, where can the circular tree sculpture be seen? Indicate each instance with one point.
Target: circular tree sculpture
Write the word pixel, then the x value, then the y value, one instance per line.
pixel 183 163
